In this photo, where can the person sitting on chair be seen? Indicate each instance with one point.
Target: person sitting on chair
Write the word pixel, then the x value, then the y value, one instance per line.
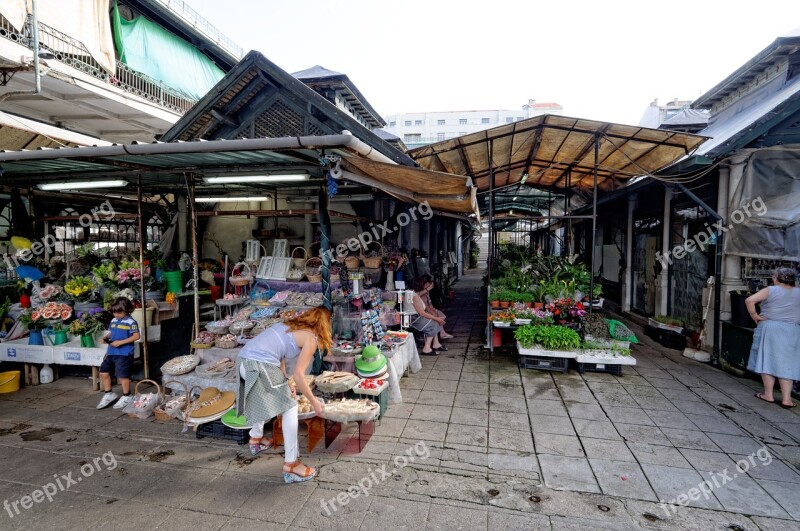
pixel 428 321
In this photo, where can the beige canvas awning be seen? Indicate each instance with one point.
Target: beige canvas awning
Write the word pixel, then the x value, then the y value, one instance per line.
pixel 558 152
pixel 444 192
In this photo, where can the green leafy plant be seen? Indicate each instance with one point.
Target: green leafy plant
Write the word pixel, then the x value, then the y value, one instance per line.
pixel 86 324
pixel 665 319
pixel 549 337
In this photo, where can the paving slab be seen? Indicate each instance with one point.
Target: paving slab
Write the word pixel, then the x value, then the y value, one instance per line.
pixel 564 445
pixel 472 417
pixel 622 478
pixel 785 494
pixel 568 473
pixel 744 495
pixel 658 455
pixel 669 482
pixel 596 429
pixel 551 424
pixel 547 407
pixel 520 441
pixel 606 449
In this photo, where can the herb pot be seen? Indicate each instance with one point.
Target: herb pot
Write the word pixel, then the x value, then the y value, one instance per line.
pixel 494 304
pixel 504 304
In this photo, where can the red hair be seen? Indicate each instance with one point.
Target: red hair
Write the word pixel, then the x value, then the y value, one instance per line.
pixel 318 322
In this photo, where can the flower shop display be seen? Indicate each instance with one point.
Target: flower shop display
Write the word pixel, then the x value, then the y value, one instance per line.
pixel 80 289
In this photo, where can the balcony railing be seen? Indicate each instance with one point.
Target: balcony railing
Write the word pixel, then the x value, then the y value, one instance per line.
pixel 205 26
pixel 73 53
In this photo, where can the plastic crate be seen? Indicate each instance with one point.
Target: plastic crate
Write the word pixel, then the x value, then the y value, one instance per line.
pixel 666 338
pixel 544 363
pixel 218 430
pixel 614 369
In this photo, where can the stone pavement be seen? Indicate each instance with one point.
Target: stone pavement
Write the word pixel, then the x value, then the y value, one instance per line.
pixel 476 444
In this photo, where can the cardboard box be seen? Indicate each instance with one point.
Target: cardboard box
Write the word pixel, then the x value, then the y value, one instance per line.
pixel 74 354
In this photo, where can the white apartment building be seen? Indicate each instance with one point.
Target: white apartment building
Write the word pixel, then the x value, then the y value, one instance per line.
pixel 420 128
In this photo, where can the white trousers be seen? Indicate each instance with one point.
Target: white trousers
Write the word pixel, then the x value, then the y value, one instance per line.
pixel 290 424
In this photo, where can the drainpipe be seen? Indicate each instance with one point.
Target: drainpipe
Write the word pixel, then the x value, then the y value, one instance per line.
pixel 37 72
pixel 717 266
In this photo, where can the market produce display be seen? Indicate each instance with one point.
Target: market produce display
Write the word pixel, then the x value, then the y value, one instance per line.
pixel 336 382
pixel 351 410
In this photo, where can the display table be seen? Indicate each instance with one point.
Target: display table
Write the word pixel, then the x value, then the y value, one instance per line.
pixel 207 356
pixel 406 357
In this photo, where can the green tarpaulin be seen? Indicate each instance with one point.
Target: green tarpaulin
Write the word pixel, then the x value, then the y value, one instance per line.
pixel 150 49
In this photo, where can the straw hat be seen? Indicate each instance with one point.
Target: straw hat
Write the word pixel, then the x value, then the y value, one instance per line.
pixel 371 361
pixel 212 403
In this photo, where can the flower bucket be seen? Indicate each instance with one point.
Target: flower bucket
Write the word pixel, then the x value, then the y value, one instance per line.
pixel 36 338
pixel 174 280
pixel 142 318
pixel 87 341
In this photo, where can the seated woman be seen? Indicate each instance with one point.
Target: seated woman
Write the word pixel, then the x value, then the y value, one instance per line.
pixel 264 390
pixel 428 321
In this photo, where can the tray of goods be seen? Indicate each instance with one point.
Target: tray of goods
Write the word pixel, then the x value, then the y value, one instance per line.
pixel 310 378
pixel 371 386
pixel 230 300
pixel 350 410
pixel 219 327
pixel 204 340
pixel 399 334
pixel 296 299
pixel 346 348
pixel 304 409
pixel 279 299
pixel 181 364
pixel 335 382
pixel 392 342
pixel 243 313
pixel 313 300
pixel 227 341
pixel 242 326
pixel 267 311
pixel 218 369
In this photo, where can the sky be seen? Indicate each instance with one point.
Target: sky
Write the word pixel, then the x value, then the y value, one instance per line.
pixel 601 60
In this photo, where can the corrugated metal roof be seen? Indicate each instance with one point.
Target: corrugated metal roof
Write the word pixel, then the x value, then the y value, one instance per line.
pixel 557 152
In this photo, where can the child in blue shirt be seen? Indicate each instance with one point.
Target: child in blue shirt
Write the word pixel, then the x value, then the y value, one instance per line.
pixel 122 333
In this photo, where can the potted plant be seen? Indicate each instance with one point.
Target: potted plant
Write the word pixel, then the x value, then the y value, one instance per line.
pixel 86 327
pixel 503 318
pixel 526 298
pixel 494 299
pixel 558 339
pixel 667 323
pixel 81 290
pixel 567 311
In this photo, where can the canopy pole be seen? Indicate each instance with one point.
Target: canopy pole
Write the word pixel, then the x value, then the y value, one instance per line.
pixel 142 326
pixel 594 218
pixel 325 245
pixel 490 257
pixel 193 218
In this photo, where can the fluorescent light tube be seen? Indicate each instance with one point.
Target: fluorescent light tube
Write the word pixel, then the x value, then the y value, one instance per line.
pixel 241 179
pixel 83 185
pixel 230 199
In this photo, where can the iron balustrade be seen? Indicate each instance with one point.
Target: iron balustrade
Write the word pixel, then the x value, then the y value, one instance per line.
pixel 74 53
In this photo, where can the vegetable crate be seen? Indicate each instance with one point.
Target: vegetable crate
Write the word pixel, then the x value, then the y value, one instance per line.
pixel 218 430
pixel 544 363
pixel 614 369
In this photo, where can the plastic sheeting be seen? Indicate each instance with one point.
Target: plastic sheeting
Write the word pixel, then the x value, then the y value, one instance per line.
pixel 180 65
pixel 770 191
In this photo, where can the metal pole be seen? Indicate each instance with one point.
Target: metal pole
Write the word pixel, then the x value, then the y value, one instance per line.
pixel 325 245
pixel 193 214
pixel 143 326
pixel 594 218
pixel 490 257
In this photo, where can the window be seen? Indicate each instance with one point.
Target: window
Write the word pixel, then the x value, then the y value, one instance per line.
pixel 439 122
pixel 520 118
pixel 439 136
pixel 392 124
pixel 484 120
pixel 509 119
pixel 410 139
pixel 407 123
pixel 417 122
pixel 462 121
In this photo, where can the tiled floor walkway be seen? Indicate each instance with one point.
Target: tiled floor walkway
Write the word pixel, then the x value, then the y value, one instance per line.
pixel 476 444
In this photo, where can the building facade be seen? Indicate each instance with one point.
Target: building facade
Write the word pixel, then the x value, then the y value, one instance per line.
pixel 421 128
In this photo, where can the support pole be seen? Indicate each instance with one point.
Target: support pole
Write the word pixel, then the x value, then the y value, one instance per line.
pixel 142 236
pixel 193 219
pixel 490 258
pixel 325 245
pixel 594 218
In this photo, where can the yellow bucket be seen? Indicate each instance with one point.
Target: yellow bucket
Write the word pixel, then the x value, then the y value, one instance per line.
pixel 9 381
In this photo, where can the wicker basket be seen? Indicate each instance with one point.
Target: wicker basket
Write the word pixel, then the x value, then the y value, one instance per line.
pixel 241 275
pixel 181 365
pixel 217 330
pixel 226 344
pixel 297 260
pixel 136 392
pixel 375 262
pixel 160 412
pixel 312 267
pixel 201 345
pixel 352 263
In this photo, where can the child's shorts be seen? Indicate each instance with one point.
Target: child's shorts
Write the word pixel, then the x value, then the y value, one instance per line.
pixel 122 364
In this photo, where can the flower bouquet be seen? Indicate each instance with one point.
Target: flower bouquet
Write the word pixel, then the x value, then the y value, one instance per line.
pixel 33 319
pixel 80 289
